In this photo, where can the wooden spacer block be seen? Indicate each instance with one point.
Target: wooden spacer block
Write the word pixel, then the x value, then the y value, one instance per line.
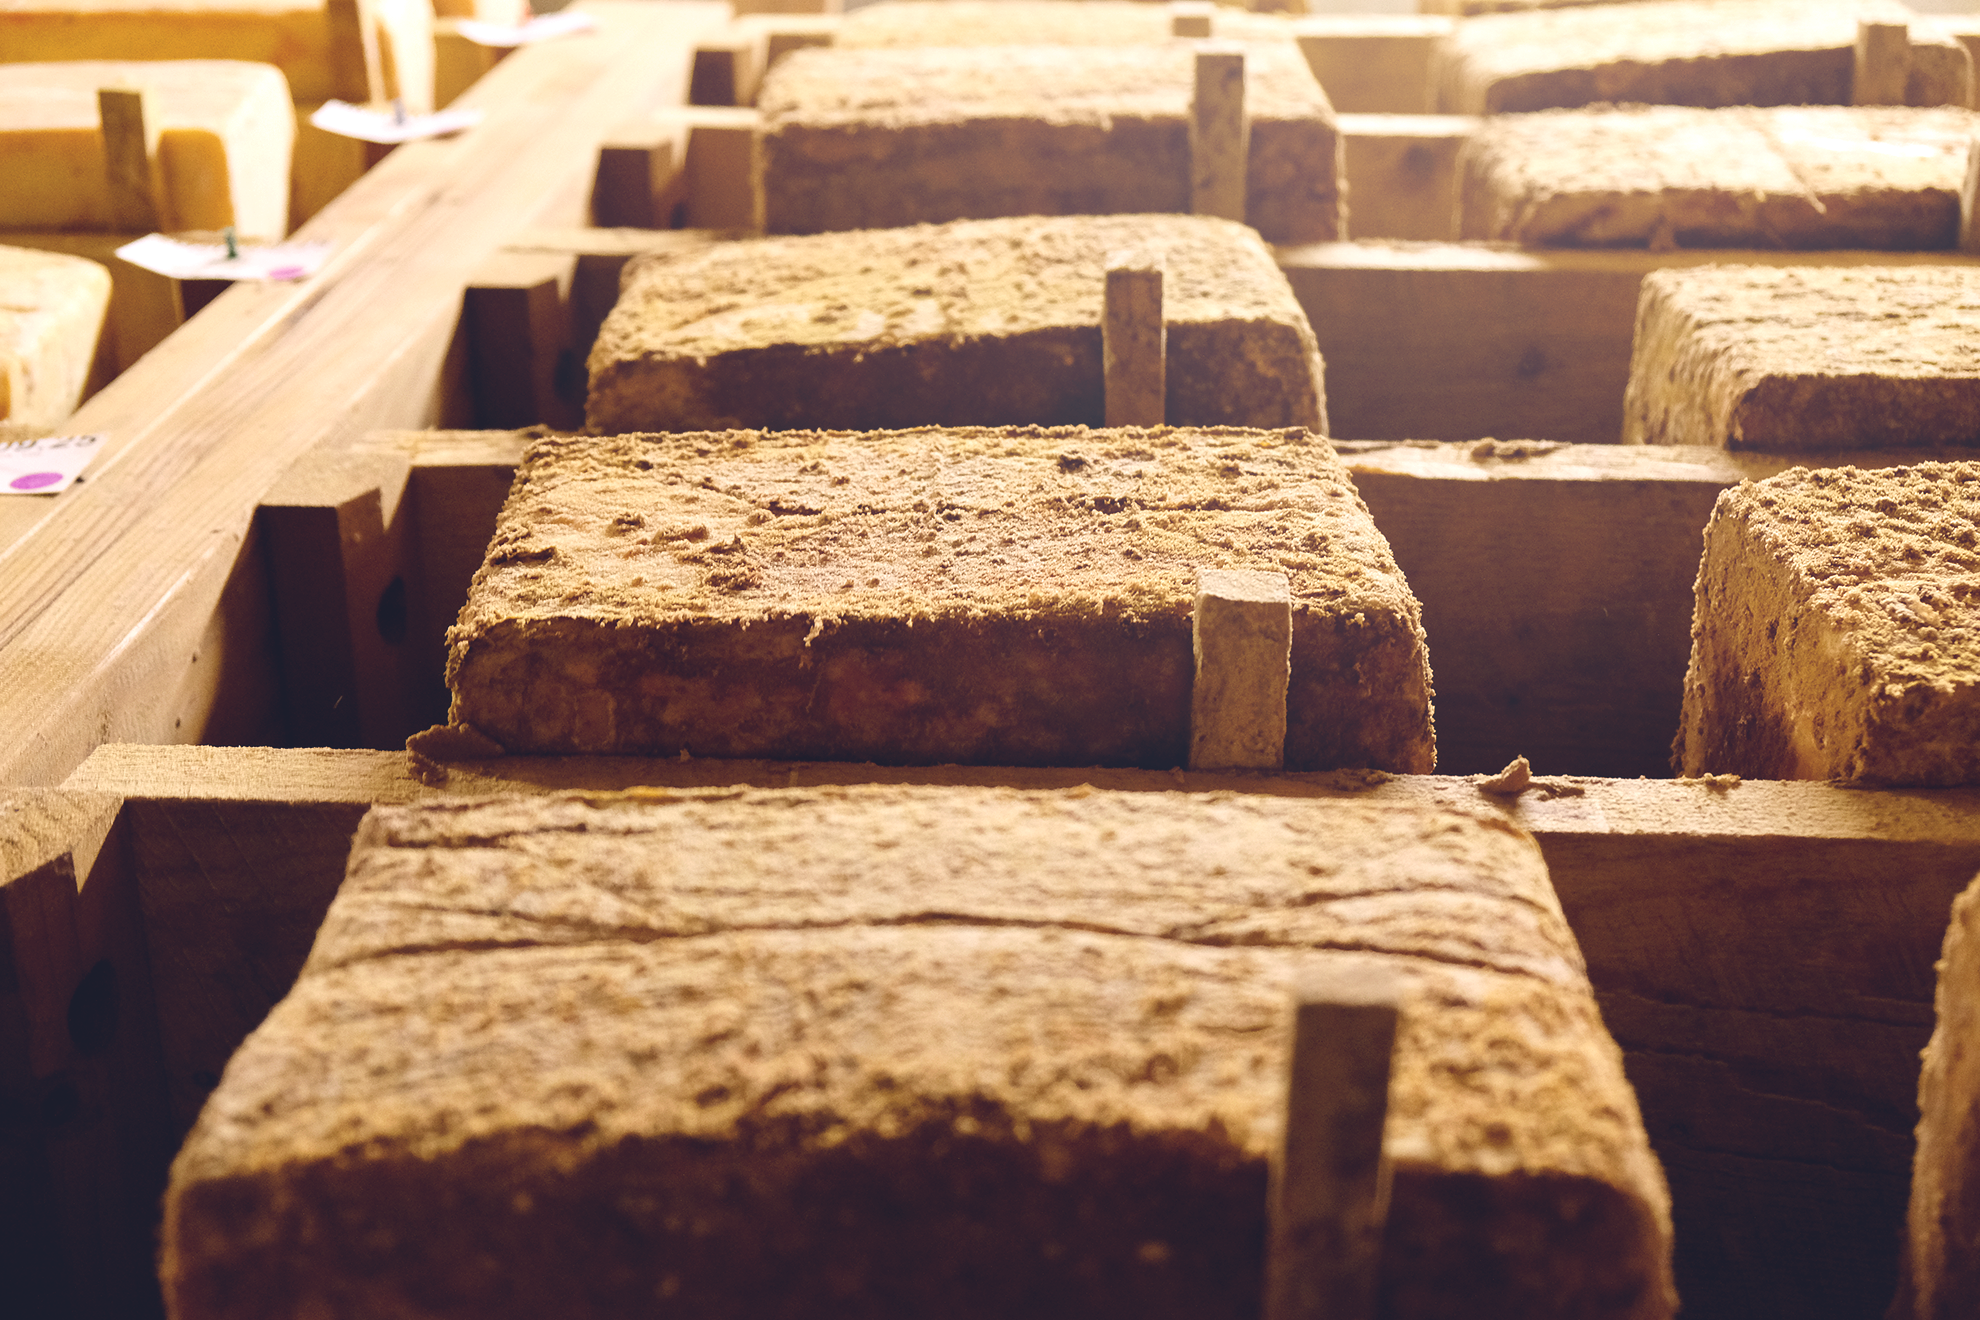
pixel 642 174
pixel 728 66
pixel 1134 340
pixel 127 159
pixel 1969 200
pixel 1218 135
pixel 1242 636
pixel 1883 63
pixel 1191 18
pixel 784 33
pixel 1330 1184
pixel 721 157
pixel 517 316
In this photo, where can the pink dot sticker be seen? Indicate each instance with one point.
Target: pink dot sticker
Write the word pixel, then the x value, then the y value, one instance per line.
pixel 34 480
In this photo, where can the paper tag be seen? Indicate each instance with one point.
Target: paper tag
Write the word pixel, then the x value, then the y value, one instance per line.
pixel 209 261
pixel 44 467
pixel 388 126
pixel 541 28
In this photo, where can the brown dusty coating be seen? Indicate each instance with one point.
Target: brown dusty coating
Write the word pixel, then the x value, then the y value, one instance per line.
pixel 885 1052
pixel 873 138
pixel 1805 359
pixel 896 23
pixel 978 323
pixel 1742 177
pixel 999 597
pixel 1940 1278
pixel 1837 629
pixel 1681 52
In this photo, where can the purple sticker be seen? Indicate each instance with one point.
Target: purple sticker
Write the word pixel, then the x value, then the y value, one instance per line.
pixel 34 481
pixel 286 273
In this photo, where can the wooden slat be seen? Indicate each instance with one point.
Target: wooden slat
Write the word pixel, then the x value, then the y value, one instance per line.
pixel 103 591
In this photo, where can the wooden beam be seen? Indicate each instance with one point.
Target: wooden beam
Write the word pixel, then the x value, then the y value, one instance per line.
pixel 521 370
pixel 104 592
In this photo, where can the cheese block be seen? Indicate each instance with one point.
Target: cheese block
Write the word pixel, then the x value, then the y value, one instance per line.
pixel 1804 359
pixel 220 135
pixel 904 1052
pixel 1741 177
pixel 1040 23
pixel 1015 596
pixel 52 308
pixel 1683 52
pixel 875 138
pixel 983 322
pixel 1837 631
pixel 315 43
pixel 1940 1278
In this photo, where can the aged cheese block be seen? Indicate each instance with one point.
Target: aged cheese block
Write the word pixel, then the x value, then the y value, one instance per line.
pixel 873 138
pixel 315 43
pixel 1040 23
pixel 887 1052
pixel 975 323
pixel 1837 629
pixel 1683 52
pixel 221 133
pixel 51 314
pixel 1806 358
pixel 1000 597
pixel 1740 177
pixel 1940 1279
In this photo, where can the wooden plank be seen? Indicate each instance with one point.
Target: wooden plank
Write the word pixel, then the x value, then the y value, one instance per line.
pixel 1763 954
pixel 1460 342
pixel 103 590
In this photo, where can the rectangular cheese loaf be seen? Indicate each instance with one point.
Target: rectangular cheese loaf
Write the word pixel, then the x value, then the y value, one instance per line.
pixel 220 134
pixel 868 138
pixel 986 322
pixel 52 308
pixel 893 1053
pixel 1019 596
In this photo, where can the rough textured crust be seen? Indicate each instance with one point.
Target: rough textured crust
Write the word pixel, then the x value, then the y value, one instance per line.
pixel 51 313
pixel 1806 359
pixel 978 323
pixel 902 1052
pixel 1682 52
pixel 1003 597
pixel 1940 1279
pixel 1837 629
pixel 877 138
pixel 1742 177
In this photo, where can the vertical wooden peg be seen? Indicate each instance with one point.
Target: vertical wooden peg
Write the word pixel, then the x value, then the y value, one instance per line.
pixel 1134 341
pixel 1243 640
pixel 1330 1184
pixel 1218 135
pixel 517 315
pixel 1883 63
pixel 127 160
pixel 642 174
pixel 1969 201
pixel 728 66
pixel 1191 18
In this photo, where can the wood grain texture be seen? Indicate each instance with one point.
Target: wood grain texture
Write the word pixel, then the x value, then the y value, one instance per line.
pixel 101 594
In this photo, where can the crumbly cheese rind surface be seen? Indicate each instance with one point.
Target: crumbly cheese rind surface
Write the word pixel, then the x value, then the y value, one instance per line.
pixel 1016 596
pixel 1741 177
pixel 902 1052
pixel 1940 1278
pixel 984 322
pixel 52 307
pixel 1680 52
pixel 1837 629
pixel 1038 23
pixel 1800 359
pixel 880 137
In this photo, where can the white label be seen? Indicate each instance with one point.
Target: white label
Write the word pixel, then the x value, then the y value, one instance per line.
pixel 44 467
pixel 209 261
pixel 389 127
pixel 541 28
